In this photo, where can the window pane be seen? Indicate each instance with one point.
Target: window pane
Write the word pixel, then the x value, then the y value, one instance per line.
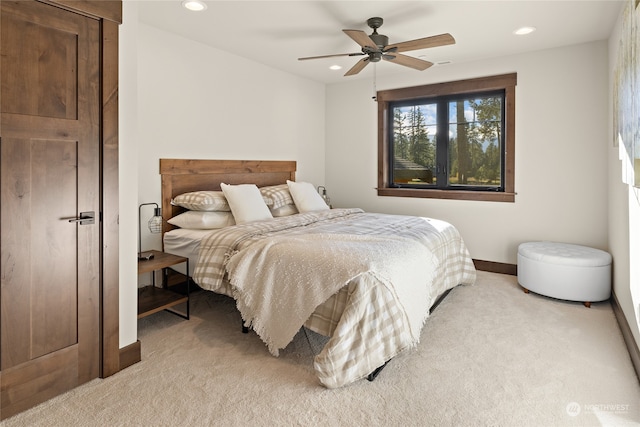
pixel 413 144
pixel 475 131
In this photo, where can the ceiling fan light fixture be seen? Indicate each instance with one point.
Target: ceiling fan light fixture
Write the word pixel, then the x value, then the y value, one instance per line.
pixel 194 5
pixel 375 56
pixel 523 31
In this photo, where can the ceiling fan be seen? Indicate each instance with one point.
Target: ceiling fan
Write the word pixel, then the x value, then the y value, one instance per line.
pixel 375 47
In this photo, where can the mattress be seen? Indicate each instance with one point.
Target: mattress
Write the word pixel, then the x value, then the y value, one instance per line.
pixel 186 243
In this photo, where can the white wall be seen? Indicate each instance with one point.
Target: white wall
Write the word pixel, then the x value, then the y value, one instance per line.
pixel 561 144
pixel 193 101
pixel 128 172
pixel 202 103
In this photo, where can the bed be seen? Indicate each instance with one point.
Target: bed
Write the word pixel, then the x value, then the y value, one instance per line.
pixel 365 280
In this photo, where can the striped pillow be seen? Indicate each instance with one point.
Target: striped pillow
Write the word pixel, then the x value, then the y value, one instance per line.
pixel 276 196
pixel 202 201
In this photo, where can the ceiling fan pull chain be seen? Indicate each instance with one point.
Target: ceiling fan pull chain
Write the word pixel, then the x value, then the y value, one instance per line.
pixel 375 90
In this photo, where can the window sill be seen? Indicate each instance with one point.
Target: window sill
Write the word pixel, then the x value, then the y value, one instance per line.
pixel 486 196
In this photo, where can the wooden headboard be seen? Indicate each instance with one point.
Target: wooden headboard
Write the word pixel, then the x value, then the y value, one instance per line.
pixel 184 175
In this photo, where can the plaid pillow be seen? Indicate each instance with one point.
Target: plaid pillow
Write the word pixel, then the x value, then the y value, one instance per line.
pixel 202 201
pixel 276 196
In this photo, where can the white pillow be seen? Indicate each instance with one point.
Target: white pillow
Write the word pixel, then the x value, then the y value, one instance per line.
pixel 198 220
pixel 246 202
pixel 306 197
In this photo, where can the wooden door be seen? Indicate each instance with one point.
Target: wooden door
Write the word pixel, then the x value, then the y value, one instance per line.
pixel 49 175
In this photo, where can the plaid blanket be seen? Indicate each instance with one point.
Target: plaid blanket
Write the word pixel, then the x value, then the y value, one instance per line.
pixel 390 288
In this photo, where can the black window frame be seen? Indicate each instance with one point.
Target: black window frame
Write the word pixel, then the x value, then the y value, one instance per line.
pixel 443 93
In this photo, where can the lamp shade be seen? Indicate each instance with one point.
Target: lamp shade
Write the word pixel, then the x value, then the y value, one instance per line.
pixel 155 226
pixel 155 223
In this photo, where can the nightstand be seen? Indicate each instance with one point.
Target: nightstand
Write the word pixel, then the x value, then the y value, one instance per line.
pixel 152 299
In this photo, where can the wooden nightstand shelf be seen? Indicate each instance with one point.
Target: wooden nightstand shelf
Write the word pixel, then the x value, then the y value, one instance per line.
pixel 152 299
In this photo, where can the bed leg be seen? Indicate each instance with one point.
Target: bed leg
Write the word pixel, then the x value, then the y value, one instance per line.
pixel 245 329
pixel 372 376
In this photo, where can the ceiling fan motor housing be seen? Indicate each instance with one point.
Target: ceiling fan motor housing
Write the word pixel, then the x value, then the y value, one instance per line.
pixel 380 39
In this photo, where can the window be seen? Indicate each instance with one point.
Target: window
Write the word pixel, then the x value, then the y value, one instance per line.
pixel 449 140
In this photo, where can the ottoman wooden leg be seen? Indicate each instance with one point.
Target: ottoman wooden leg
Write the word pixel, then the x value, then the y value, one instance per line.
pixel 526 291
pixel 587 304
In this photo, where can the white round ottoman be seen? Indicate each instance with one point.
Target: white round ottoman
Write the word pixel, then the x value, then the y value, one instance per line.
pixel 565 271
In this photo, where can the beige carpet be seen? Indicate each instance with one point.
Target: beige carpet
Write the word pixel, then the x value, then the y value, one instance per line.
pixel 489 355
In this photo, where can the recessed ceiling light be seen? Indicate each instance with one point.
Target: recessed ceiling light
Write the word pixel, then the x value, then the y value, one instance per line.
pixel 194 5
pixel 335 67
pixel 524 30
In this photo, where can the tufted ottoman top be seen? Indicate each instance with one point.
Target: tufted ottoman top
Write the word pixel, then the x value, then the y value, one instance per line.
pixel 564 253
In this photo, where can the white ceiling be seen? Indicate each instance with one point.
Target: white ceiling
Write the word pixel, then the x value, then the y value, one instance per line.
pixel 276 33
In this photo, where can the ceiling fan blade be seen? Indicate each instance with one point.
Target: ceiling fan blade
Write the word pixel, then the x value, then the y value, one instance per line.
pixel 424 43
pixel 361 38
pixel 408 61
pixel 331 56
pixel 358 67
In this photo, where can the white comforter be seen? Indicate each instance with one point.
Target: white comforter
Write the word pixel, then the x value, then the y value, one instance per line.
pixel 281 270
